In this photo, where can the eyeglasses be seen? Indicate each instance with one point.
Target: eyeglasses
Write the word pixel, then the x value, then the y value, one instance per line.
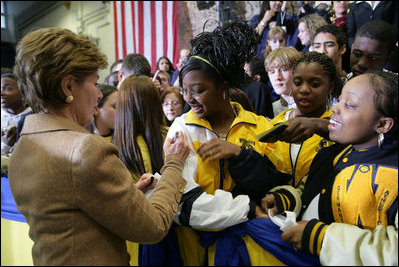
pixel 171 103
pixel 186 92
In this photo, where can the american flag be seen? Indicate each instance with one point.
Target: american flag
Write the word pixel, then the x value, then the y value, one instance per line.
pixel 148 28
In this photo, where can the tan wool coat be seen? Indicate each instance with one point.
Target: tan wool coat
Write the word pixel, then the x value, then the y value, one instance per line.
pixel 79 199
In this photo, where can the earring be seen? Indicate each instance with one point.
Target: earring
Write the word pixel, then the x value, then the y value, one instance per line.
pixel 224 96
pixel 69 99
pixel 380 139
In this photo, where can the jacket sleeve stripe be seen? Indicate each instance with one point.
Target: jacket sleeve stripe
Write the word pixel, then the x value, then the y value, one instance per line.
pixel 187 201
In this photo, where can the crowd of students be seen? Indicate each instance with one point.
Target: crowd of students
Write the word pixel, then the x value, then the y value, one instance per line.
pixel 168 168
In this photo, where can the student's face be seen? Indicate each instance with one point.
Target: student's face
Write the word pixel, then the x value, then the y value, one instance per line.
pixel 184 54
pixel 303 34
pixel 172 107
pixel 354 119
pixel 11 97
pixel 311 89
pixel 275 5
pixel 206 98
pixel 281 79
pixel 326 43
pixel 86 96
pixel 164 81
pixel 340 7
pixel 106 114
pixel 368 55
pixel 276 42
pixel 164 65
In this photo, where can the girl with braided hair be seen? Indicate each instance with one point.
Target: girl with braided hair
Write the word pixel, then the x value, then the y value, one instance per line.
pixel 212 202
pixel 315 84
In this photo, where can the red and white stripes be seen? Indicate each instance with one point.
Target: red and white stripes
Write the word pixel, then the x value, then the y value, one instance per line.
pixel 148 28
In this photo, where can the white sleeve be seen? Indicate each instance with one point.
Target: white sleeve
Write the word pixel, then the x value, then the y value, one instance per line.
pixel 345 244
pixel 202 210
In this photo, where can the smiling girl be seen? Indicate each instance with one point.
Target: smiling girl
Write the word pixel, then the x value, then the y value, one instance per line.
pixel 350 200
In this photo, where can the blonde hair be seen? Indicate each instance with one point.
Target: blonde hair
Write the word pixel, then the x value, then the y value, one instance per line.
pixel 282 57
pixel 272 34
pixel 312 23
pixel 45 56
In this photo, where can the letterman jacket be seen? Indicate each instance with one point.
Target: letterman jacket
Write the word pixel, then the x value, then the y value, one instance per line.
pixel 354 195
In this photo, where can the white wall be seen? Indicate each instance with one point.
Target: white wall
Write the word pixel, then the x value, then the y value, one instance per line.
pixel 87 17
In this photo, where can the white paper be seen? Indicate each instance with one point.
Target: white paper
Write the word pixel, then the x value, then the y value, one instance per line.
pixel 284 222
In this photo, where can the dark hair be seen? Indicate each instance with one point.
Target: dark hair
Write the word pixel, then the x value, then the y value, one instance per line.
pixel 112 75
pixel 257 67
pixel 106 90
pixel 7 73
pixel 239 96
pixel 385 86
pixel 334 30
pixel 379 30
pixel 265 6
pixel 171 68
pixel 227 48
pixel 328 68
pixel 139 112
pixel 114 64
pixel 136 64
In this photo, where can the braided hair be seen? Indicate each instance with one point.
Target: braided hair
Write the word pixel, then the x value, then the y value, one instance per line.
pixel 328 67
pixel 226 48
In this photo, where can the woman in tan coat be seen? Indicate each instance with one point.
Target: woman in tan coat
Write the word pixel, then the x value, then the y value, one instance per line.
pixel 77 196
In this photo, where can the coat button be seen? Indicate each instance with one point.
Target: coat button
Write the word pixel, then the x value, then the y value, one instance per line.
pixel 181 188
pixel 174 208
pixel 178 198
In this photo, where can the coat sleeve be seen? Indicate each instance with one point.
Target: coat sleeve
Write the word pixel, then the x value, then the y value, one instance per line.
pixel 203 211
pixel 345 244
pixel 104 189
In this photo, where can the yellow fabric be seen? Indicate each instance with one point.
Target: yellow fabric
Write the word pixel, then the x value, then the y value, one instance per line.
pixel 242 132
pixel 132 247
pixel 191 252
pixel 354 200
pixel 281 156
pixel 146 158
pixel 258 256
pixel 16 246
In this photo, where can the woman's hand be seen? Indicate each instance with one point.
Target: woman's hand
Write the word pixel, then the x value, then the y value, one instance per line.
pixel 179 148
pixel 269 202
pixel 294 234
pixel 145 182
pixel 216 149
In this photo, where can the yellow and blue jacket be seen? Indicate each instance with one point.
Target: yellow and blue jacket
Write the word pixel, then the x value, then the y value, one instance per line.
pixel 207 203
pixel 281 156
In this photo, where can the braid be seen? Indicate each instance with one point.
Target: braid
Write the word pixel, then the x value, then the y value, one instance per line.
pixel 227 48
pixel 328 69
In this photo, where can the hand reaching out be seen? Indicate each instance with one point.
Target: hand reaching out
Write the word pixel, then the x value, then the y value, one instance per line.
pixel 145 182
pixel 216 149
pixel 269 202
